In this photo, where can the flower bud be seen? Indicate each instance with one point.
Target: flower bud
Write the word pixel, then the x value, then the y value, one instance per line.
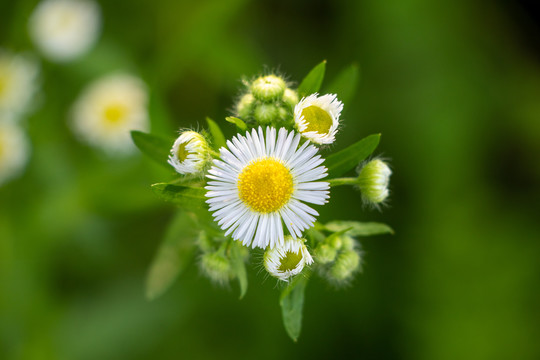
pixel 373 181
pixel 268 88
pixel 244 107
pixel 325 253
pixel 290 97
pixel 287 260
pixel 265 114
pixel 216 266
pixel 346 264
pixel 190 153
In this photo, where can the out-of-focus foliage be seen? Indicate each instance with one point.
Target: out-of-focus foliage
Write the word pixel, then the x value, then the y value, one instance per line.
pixel 453 86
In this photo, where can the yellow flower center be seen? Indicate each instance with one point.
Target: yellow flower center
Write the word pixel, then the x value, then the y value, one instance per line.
pixel 317 119
pixel 290 261
pixel 115 113
pixel 265 185
pixel 182 153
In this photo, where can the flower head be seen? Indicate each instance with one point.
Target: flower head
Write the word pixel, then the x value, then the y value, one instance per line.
pixel 18 82
pixel 373 181
pixel 317 117
pixel 65 29
pixel 14 150
pixel 261 181
pixel 108 109
pixel 190 153
pixel 268 88
pixel 287 260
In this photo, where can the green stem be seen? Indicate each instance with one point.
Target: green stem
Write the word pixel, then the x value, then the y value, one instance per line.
pixel 343 181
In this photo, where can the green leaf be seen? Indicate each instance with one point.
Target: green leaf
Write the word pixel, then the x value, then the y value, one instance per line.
pixel 239 267
pixel 344 85
pixel 217 135
pixel 356 228
pixel 313 81
pixel 347 159
pixel 156 147
pixel 191 198
pixel 240 124
pixel 172 256
pixel 292 304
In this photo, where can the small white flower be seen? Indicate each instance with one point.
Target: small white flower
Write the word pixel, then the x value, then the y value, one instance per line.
pixel 14 150
pixel 260 182
pixel 190 153
pixel 288 260
pixel 65 29
pixel 108 109
pixel 373 180
pixel 18 82
pixel 317 117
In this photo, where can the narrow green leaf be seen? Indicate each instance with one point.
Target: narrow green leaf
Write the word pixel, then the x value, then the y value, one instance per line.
pixel 347 159
pixel 172 255
pixel 344 85
pixel 239 267
pixel 156 147
pixel 356 228
pixel 217 135
pixel 313 81
pixel 240 124
pixel 292 304
pixel 191 198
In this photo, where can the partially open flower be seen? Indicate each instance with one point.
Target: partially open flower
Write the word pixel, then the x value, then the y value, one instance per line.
pixel 65 29
pixel 373 181
pixel 190 153
pixel 14 150
pixel 287 260
pixel 18 82
pixel 108 110
pixel 317 117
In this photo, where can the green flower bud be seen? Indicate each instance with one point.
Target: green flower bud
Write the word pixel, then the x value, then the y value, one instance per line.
pixel 347 263
pixel 244 107
pixel 290 97
pixel 373 181
pixel 284 113
pixel 265 114
pixel 325 254
pixel 216 266
pixel 268 88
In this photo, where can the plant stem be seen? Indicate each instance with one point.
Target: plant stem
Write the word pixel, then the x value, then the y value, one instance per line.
pixel 343 181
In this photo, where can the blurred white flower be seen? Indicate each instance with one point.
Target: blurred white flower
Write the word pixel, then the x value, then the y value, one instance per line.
pixel 18 82
pixel 65 29
pixel 108 109
pixel 14 150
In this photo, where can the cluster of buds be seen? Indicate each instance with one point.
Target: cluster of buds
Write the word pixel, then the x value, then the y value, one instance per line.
pixel 268 101
pixel 340 257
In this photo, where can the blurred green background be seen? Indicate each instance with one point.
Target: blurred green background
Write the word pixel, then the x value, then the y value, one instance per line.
pixel 453 86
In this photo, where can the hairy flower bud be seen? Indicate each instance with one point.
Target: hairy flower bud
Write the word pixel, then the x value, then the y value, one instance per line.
pixel 373 181
pixel 216 266
pixel 346 264
pixel 268 88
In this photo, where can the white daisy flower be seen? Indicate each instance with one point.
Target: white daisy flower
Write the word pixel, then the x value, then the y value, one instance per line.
pixel 190 153
pixel 317 117
pixel 288 260
pixel 260 182
pixel 18 82
pixel 14 150
pixel 108 109
pixel 65 29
